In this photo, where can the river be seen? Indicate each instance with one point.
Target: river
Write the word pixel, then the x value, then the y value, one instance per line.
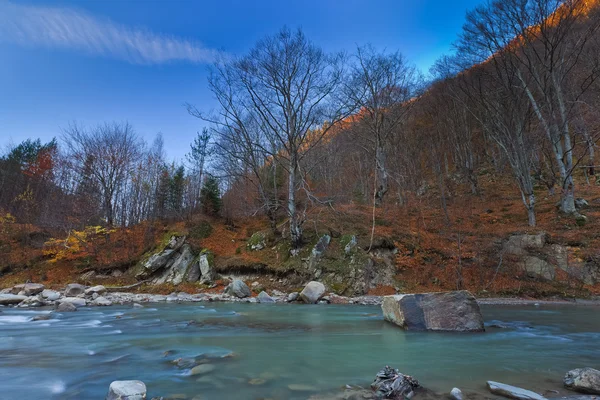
pixel 259 350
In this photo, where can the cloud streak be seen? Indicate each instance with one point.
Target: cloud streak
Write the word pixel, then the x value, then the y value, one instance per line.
pixel 70 29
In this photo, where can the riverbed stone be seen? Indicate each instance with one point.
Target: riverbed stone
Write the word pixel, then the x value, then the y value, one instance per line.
pixel 456 394
pixel 50 295
pixel 28 289
pixel 76 301
pixel 583 380
pixel 202 369
pixel 292 297
pixel 32 301
pixel 263 297
pixel 6 299
pixel 127 390
pixel 66 307
pixel 99 289
pixel 312 292
pixel 238 289
pixel 512 392
pixel 456 311
pixel 74 289
pixel 101 301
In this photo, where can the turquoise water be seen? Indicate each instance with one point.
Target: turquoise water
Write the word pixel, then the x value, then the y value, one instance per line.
pixel 258 350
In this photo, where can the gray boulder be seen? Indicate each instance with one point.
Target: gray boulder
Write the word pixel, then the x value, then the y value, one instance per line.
pixel 28 289
pixel 512 392
pixel 76 301
pixel 447 311
pixel 32 301
pixel 456 394
pixel 312 292
pixel 584 380
pixel 74 289
pixel 156 262
pixel 66 307
pixel 50 295
pixel 101 301
pixel 126 390
pixel 263 297
pixel 99 289
pixel 179 269
pixel 207 272
pixel 292 297
pixel 6 299
pixel 238 289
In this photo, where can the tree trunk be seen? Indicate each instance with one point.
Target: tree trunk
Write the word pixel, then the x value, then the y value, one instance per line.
pixel 295 225
pixel 382 175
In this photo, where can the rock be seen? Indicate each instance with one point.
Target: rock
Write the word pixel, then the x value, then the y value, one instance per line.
pixel 127 390
pixel 312 292
pixel 263 297
pixel 101 301
pixel 76 301
pixel 202 369
pixel 193 273
pixel 238 289
pixel 584 380
pixel 43 317
pixel 389 383
pixel 447 311
pixel 176 272
pixel 581 203
pixel 298 387
pixel 99 289
pixel 535 267
pixel 6 299
pixel 519 244
pixel 28 289
pixel 352 243
pixel 66 307
pixel 205 263
pixel 257 241
pixel 74 289
pixel 117 273
pixel 50 295
pixel 87 276
pixel 456 394
pixel 293 297
pixel 316 254
pixel 32 301
pixel 156 262
pixel 512 392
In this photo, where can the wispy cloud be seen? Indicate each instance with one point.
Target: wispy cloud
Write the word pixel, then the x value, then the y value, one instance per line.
pixel 72 29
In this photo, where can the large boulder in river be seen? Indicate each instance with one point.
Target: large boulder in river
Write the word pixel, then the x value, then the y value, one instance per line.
pixel 28 289
pixel 447 311
pixel 312 292
pixel 74 289
pixel 239 289
pixel 584 380
pixel 6 299
pixel 127 390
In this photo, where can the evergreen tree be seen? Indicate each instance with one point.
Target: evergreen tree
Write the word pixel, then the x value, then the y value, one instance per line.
pixel 210 196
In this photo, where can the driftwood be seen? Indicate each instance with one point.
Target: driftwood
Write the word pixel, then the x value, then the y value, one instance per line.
pixel 117 288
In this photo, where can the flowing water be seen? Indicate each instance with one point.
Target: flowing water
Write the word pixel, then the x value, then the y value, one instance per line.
pixel 259 350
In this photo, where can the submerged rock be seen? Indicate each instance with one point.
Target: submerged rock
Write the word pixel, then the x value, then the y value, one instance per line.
pixel 74 289
pixel 447 311
pixel 512 392
pixel 66 307
pixel 202 369
pixel 127 390
pixel 42 317
pixel 312 292
pixel 584 380
pixel 238 289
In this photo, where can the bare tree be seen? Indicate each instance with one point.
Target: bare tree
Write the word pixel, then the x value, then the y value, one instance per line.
pixel 286 87
pixel 540 42
pixel 382 85
pixel 107 153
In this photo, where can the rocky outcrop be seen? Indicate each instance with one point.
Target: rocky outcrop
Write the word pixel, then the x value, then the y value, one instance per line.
pixel 583 380
pixel 127 390
pixel 238 289
pixel 312 292
pixel 74 289
pixel 449 311
pixel 512 392
pixel 176 263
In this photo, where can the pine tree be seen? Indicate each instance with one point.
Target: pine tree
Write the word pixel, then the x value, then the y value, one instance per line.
pixel 210 196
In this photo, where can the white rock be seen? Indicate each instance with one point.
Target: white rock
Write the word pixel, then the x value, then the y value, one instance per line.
pixel 95 289
pixel 101 301
pixel 127 390
pixel 312 292
pixel 50 295
pixel 513 392
pixel 76 301
pixel 456 394
pixel 6 299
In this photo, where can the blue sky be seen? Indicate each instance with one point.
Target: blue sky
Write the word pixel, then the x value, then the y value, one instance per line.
pixel 94 61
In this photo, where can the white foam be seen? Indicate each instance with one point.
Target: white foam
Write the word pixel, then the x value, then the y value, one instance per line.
pixel 13 319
